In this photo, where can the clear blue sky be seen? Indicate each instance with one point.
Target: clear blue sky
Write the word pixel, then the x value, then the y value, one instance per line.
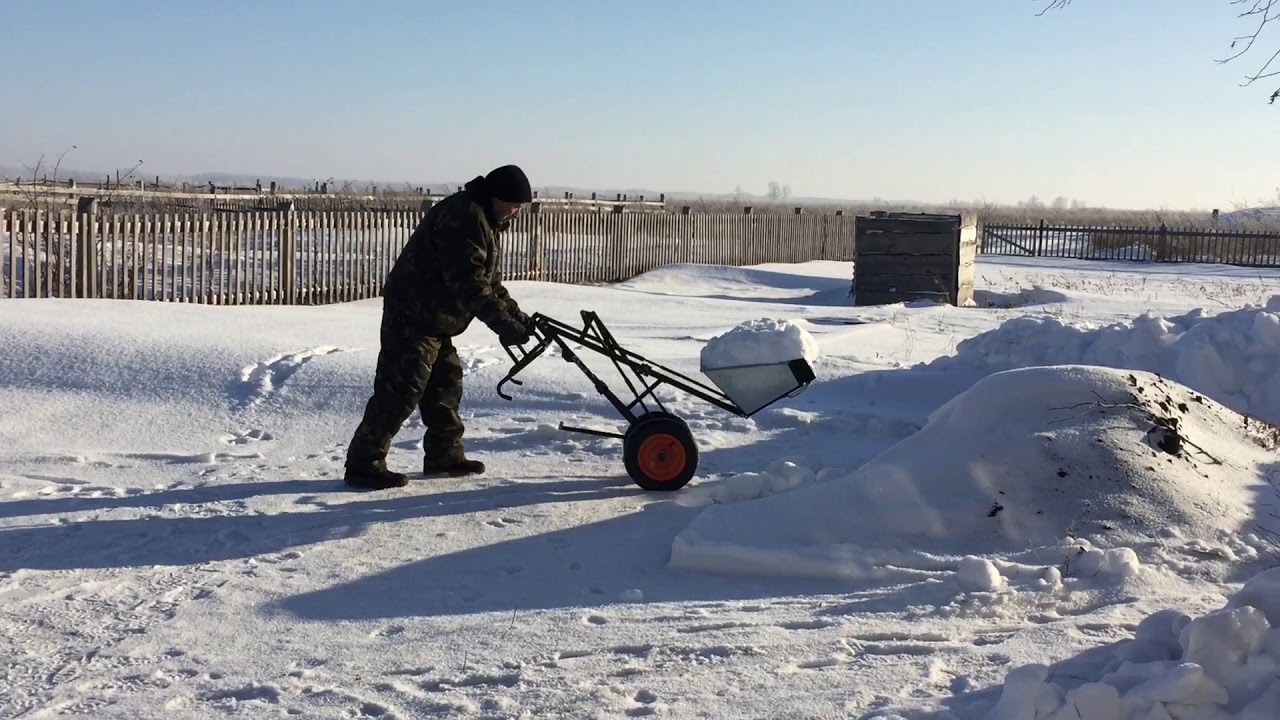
pixel 1114 102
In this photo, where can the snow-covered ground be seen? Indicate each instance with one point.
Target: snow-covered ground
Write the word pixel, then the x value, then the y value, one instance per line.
pixel 940 527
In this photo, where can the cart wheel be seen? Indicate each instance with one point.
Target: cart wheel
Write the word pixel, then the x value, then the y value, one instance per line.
pixel 659 452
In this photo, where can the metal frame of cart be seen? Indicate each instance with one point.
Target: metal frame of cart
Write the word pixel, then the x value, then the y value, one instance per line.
pixel 659 452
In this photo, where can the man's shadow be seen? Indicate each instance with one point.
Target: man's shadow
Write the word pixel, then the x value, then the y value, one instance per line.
pixel 237 531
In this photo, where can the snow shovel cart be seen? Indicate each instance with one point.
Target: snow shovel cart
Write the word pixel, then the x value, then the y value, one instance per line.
pixel 658 450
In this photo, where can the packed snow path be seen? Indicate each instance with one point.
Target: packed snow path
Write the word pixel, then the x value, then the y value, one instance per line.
pixel 175 540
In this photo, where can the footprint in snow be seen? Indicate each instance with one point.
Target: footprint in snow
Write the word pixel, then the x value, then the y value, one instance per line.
pixel 263 380
pixel 798 625
pixel 415 670
pixel 911 644
pixel 714 627
pixel 648 705
pixel 388 631
pixel 992 638
pixel 208 458
pixel 57 479
pixel 245 438
pixel 480 680
pixel 819 664
pixel 247 693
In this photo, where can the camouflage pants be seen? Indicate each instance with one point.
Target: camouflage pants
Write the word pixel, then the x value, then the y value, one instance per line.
pixel 414 370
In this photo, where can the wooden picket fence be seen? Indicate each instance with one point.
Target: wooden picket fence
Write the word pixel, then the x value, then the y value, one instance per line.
pixel 318 257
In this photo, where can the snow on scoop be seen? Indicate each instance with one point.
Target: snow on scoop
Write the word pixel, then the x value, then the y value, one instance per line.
pixel 760 362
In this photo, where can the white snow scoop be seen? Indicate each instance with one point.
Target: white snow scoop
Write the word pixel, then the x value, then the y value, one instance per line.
pixel 755 387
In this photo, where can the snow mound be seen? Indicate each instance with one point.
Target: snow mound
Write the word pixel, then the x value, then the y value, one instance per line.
pixel 780 283
pixel 1248 216
pixel 759 342
pixel 1036 464
pixel 1035 295
pixel 1233 357
pixel 1225 664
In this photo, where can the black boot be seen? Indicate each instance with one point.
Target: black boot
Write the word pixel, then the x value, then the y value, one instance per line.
pixel 452 467
pixel 375 478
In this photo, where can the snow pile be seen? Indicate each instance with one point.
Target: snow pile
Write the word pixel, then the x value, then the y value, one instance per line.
pixel 759 342
pixel 1247 216
pixel 1222 665
pixel 1038 465
pixel 1035 295
pixel 1233 357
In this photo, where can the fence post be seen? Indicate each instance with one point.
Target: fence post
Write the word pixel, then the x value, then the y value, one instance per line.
pixel 690 254
pixel 1162 244
pixel 535 241
pixel 289 254
pixel 617 242
pixel 86 257
pixel 8 255
pixel 1040 240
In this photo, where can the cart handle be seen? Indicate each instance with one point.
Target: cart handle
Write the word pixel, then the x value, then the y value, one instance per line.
pixel 526 356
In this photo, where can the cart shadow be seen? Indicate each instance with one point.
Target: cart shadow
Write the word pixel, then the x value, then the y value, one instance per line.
pixel 588 565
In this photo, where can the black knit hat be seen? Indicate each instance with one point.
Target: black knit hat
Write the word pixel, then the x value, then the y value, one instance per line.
pixel 509 183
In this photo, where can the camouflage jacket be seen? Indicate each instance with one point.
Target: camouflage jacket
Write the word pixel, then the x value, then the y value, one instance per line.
pixel 447 274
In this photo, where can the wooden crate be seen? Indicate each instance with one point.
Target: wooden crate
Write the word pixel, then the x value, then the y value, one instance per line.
pixel 900 257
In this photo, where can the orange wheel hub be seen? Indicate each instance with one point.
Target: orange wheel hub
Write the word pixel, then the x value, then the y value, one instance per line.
pixel 661 457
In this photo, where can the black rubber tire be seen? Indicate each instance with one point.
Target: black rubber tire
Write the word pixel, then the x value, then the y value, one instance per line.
pixel 648 435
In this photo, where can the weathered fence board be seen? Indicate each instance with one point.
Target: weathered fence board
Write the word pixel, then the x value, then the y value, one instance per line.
pixel 326 256
pixel 329 256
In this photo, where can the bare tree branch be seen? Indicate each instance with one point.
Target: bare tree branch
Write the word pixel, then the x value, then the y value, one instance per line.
pixel 1265 11
pixel 36 196
pixel 1261 11
pixel 1053 5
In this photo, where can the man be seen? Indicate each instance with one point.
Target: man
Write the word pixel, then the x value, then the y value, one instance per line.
pixel 446 276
